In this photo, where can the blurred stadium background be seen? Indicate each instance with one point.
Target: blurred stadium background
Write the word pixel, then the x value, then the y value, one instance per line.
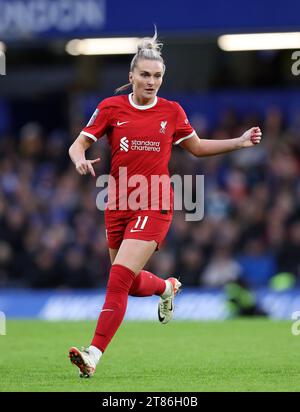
pixel 244 256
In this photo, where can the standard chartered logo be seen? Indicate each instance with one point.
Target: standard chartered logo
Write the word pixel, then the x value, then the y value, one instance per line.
pixel 124 146
pixel 145 145
pixel 140 145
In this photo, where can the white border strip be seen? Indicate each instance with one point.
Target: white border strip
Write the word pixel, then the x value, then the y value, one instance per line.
pixel 184 138
pixel 90 135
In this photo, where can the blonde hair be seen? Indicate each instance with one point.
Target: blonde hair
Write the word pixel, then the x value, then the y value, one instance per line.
pixel 148 48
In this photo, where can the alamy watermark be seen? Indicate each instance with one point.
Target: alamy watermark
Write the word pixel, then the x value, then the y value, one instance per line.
pixel 2 323
pixel 296 65
pixel 2 63
pixel 153 193
pixel 295 329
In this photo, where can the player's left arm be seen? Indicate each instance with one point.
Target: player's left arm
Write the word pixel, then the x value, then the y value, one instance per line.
pixel 206 147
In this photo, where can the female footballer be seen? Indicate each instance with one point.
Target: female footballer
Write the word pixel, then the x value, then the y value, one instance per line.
pixel 141 129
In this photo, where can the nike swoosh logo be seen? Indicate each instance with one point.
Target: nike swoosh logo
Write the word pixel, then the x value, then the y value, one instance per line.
pixel 120 123
pixel 135 230
pixel 160 318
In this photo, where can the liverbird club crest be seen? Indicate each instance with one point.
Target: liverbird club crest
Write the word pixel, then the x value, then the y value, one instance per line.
pixel 163 126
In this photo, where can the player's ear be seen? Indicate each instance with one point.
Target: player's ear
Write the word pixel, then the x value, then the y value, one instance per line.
pixel 130 78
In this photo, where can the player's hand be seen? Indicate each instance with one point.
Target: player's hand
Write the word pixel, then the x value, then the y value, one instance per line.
pixel 251 137
pixel 85 167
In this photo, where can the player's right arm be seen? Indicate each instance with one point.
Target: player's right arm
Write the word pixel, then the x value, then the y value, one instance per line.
pixel 77 154
pixel 94 130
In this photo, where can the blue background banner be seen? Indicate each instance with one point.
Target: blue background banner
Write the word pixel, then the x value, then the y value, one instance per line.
pixel 190 305
pixel 28 19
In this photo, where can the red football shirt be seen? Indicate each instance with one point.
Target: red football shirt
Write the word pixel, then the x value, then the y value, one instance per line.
pixel 141 139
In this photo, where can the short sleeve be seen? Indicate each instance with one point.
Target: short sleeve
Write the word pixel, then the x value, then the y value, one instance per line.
pixel 98 123
pixel 183 129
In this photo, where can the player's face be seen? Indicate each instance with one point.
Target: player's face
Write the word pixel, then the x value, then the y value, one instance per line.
pixel 146 79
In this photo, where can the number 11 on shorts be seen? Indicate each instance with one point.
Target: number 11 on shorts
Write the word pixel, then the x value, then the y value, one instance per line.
pixel 140 224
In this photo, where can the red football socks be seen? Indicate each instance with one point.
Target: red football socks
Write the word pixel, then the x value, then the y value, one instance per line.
pixel 114 308
pixel 147 284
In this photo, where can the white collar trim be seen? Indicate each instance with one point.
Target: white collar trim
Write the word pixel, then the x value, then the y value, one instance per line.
pixel 141 107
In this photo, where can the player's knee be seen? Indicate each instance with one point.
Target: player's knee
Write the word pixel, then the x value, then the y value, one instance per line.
pixel 120 279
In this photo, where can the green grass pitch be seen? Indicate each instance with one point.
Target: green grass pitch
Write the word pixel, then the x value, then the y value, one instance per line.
pixel 235 355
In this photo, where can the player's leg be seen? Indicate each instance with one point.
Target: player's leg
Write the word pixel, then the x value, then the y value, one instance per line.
pixel 132 256
pixel 135 253
pixel 148 225
pixel 112 254
pixel 145 283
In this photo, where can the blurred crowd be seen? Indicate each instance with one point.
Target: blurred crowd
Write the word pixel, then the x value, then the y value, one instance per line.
pixel 52 235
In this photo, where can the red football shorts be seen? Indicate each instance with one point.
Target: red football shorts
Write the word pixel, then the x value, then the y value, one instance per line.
pixel 139 224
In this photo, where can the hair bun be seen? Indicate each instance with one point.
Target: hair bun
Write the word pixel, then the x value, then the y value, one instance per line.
pixel 150 43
